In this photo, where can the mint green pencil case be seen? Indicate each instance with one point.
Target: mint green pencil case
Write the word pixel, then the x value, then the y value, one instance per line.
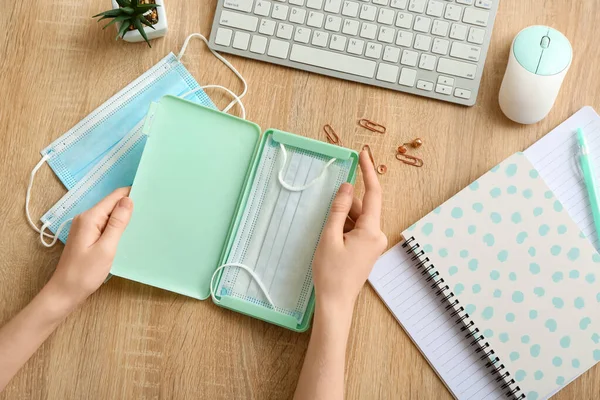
pixel 210 191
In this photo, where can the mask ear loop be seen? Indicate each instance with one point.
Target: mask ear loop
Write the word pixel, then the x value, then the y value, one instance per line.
pixel 56 236
pixel 303 187
pixel 222 59
pixel 235 96
pixel 28 197
pixel 247 269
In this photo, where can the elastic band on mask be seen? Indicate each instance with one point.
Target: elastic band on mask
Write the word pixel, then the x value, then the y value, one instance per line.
pixel 303 187
pixel 235 96
pixel 28 196
pixel 222 59
pixel 247 269
pixel 55 237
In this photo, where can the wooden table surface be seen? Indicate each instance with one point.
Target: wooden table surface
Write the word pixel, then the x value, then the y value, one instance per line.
pixel 131 341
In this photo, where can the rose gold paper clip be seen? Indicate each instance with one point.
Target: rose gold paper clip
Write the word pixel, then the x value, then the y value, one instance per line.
pixel 372 126
pixel 410 160
pixel 332 137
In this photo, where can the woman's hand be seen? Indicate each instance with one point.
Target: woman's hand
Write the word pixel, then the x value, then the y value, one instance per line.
pixel 350 243
pixel 91 248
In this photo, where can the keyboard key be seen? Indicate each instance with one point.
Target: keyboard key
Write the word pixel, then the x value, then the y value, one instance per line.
pixel 302 34
pixel 456 68
pixel 391 54
pixel 386 16
pixel 315 4
pixel 373 50
pixel 315 19
pixel 298 15
pixel 422 24
pixel 440 28
pixel 284 31
pixel 297 2
pixel 462 93
pixel 487 4
pixel 223 37
pixel 239 5
pixel 458 31
pixel 409 58
pixel 333 23
pixel 320 39
pixel 453 12
pixel 427 61
pixel 443 89
pixel 333 6
pixel 404 20
pixel 425 85
pixel 355 46
pixel 350 27
pixel 368 31
pixel 476 17
pixel 445 80
pixel 386 34
pixel 399 4
pixel 278 48
pixel 338 43
pixel 476 35
pixel 467 2
pixel 407 77
pixel 368 12
pixel 381 2
pixel 440 46
pixel 435 8
pixel 240 40
pixel 240 21
pixel 465 51
pixel 404 39
pixel 387 72
pixel 350 9
pixel 422 42
pixel 262 8
pixel 417 6
pixel 333 61
pixel 267 27
pixel 280 12
pixel 259 44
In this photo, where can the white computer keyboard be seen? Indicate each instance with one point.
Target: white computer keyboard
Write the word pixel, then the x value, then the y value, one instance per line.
pixel 433 48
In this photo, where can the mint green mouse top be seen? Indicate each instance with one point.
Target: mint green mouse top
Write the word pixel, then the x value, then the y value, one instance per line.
pixel 542 50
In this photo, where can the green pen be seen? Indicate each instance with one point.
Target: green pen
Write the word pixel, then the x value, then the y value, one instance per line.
pixel 589 178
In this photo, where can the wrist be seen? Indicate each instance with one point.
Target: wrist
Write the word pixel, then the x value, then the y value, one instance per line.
pixel 333 316
pixel 56 303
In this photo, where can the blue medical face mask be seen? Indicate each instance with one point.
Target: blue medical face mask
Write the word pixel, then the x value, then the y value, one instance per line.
pixel 102 152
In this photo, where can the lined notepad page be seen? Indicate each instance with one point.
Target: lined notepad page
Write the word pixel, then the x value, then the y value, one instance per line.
pixel 424 317
pixel 555 156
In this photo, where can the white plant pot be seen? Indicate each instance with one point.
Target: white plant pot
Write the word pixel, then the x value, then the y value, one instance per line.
pixel 160 28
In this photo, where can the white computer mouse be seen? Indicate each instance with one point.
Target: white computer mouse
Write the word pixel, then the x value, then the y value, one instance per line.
pixel 537 64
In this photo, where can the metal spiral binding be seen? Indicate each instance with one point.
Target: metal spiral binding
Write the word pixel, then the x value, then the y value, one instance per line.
pixel 429 270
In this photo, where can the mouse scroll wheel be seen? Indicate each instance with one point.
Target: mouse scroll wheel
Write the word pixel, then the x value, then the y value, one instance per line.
pixel 545 42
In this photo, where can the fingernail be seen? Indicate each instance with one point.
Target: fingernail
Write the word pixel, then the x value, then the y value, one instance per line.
pixel 126 202
pixel 346 188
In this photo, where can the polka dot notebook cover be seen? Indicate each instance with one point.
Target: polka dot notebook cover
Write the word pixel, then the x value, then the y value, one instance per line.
pixel 517 296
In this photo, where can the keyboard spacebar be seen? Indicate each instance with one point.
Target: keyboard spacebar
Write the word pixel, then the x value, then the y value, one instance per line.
pixel 334 61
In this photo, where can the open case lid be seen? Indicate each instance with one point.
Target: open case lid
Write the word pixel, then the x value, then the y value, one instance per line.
pixel 186 193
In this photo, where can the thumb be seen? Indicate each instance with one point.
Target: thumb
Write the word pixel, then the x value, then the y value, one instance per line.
pixel 340 207
pixel 117 222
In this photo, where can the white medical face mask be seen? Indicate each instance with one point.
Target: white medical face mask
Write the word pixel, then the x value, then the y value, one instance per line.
pixel 117 165
pixel 271 259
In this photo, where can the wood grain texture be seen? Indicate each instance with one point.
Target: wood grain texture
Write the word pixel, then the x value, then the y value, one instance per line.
pixel 131 341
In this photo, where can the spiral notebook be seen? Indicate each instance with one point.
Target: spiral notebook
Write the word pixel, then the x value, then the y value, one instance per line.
pixel 498 287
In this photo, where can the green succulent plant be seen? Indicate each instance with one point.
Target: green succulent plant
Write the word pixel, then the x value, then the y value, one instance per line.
pixel 130 12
